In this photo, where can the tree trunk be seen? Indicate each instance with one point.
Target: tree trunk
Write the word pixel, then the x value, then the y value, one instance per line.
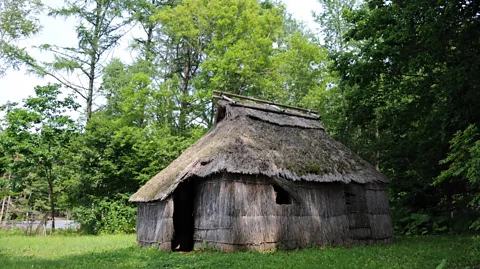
pixel 93 61
pixel 52 206
pixel 90 96
pixel 377 152
pixel 6 213
pixel 149 55
pixel 4 200
pixel 52 199
pixel 182 122
pixel 91 84
pixel 3 206
pixel 184 105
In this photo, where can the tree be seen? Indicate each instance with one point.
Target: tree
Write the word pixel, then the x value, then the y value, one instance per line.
pixel 18 19
pixel 334 26
pixel 124 145
pixel 242 47
pixel 142 12
pixel 412 81
pixel 463 162
pixel 38 134
pixel 100 27
pixel 333 23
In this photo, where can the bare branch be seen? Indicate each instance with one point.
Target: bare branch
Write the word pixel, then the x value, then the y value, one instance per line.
pixel 63 81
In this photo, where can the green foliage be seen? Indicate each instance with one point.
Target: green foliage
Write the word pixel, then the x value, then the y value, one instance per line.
pixel 157 107
pixel 34 141
pixel 464 166
pixel 119 251
pixel 100 25
pixel 333 23
pixel 421 224
pixel 476 244
pixel 331 102
pixel 106 216
pixel 18 19
pixel 240 47
pixel 464 157
pixel 406 86
pixel 126 143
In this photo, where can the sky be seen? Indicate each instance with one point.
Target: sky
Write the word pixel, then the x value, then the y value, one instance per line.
pixel 17 85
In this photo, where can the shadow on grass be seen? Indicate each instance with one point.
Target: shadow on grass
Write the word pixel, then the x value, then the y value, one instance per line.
pixel 421 252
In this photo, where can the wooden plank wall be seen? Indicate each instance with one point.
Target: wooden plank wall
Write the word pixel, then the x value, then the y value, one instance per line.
pixel 368 213
pixel 239 212
pixel 379 213
pixel 155 224
pixel 357 211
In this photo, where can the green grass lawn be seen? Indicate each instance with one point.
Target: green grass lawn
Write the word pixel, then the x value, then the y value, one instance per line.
pixel 119 251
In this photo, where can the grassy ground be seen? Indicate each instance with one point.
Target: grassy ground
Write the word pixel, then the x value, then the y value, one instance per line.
pixel 119 251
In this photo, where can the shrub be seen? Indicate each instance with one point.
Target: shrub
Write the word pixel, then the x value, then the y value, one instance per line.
pixel 106 216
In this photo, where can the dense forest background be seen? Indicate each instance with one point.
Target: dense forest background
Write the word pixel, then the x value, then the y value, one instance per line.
pixel 396 81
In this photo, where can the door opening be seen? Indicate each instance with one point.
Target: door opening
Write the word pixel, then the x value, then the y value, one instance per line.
pixel 183 217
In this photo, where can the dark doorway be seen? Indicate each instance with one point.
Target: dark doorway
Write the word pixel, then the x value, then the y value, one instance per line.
pixel 183 217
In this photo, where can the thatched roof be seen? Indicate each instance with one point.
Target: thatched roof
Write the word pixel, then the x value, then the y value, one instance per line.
pixel 261 140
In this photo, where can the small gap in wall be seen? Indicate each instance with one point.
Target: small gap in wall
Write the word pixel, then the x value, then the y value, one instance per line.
pixel 282 197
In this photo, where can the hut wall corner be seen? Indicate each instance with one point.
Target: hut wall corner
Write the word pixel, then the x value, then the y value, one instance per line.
pixel 155 224
pixel 368 212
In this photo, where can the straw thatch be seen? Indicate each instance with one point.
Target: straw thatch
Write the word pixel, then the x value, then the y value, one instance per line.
pixel 257 140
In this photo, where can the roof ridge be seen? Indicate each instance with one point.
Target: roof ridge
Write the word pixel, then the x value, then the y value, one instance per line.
pixel 228 97
pixel 277 111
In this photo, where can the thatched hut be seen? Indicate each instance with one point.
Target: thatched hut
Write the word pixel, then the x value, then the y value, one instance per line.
pixel 263 178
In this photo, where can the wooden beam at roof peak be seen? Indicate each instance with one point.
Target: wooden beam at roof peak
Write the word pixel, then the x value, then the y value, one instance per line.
pixel 221 93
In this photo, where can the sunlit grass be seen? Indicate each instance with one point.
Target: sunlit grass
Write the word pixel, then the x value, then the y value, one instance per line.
pixel 119 251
